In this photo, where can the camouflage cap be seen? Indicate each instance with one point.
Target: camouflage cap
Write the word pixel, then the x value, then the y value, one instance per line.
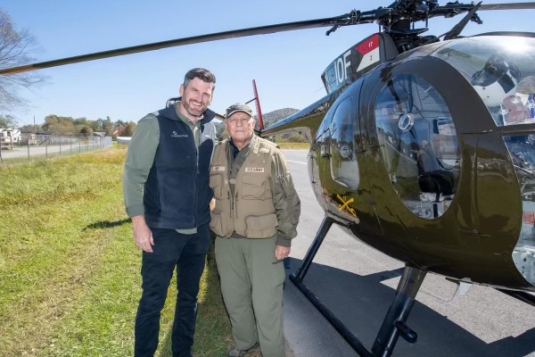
pixel 239 107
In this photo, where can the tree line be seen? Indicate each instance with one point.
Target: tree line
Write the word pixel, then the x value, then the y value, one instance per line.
pixel 60 125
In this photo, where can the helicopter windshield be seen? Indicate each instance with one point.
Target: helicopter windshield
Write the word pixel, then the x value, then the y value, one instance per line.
pixel 501 72
pixel 419 144
pixel 503 75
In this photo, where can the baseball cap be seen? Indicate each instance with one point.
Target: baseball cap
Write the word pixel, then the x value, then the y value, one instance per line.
pixel 239 107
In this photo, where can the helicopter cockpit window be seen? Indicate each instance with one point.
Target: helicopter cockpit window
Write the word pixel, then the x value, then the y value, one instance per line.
pixel 502 74
pixel 418 144
pixel 344 166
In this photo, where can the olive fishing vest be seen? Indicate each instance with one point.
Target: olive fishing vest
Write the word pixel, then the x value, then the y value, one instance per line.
pixel 249 211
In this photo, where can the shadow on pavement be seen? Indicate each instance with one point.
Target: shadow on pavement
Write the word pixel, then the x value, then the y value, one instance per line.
pixel 361 302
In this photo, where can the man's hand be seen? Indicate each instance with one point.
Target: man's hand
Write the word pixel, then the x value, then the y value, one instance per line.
pixel 142 234
pixel 282 252
pixel 212 204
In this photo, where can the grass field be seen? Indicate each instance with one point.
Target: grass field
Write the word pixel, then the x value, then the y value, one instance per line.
pixel 69 270
pixel 287 145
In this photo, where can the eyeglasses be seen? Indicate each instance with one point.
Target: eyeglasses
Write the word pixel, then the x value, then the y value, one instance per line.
pixel 236 121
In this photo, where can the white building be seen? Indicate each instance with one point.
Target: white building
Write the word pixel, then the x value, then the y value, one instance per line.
pixel 9 136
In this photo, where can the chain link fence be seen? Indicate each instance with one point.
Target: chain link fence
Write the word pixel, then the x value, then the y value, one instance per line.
pixel 41 146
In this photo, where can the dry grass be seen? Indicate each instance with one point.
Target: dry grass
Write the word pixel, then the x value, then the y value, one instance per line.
pixel 298 146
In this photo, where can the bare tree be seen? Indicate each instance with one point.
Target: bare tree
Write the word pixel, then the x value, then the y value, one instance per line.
pixel 16 48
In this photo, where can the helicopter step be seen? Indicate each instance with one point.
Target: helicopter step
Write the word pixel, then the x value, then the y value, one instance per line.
pixel 394 324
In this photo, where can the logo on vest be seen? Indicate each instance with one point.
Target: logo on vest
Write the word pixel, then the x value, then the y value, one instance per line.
pixel 218 168
pixel 177 135
pixel 254 169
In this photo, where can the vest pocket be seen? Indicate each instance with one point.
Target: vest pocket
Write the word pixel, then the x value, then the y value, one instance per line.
pixel 216 183
pixel 254 187
pixel 218 224
pixel 264 226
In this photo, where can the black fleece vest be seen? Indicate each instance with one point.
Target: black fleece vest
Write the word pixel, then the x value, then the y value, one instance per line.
pixel 177 192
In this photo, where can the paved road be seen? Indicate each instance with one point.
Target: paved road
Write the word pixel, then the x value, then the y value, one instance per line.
pixel 66 149
pixel 349 277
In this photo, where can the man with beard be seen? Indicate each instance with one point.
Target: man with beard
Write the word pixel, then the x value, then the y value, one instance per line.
pixel 167 195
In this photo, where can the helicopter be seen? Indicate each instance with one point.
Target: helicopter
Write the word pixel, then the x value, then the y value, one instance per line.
pixel 423 147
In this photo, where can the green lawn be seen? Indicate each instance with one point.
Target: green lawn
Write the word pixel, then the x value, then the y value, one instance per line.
pixel 69 270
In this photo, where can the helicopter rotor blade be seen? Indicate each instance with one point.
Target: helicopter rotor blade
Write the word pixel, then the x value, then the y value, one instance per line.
pixel 400 9
pixel 351 18
pixel 455 8
pixel 509 6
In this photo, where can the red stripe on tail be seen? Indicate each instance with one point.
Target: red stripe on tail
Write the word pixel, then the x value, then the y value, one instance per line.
pixel 258 109
pixel 368 46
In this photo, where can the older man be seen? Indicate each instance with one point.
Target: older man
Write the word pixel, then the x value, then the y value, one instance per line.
pixel 255 217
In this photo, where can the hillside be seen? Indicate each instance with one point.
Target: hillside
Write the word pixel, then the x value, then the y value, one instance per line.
pixel 276 115
pixel 269 119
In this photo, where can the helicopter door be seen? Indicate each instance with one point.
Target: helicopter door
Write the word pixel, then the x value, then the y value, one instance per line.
pixel 342 180
pixel 335 151
pixel 343 162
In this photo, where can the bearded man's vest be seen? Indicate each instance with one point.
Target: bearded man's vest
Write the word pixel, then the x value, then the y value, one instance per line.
pixel 176 194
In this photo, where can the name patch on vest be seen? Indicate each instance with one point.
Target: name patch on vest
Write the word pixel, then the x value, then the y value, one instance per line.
pixel 217 168
pixel 254 169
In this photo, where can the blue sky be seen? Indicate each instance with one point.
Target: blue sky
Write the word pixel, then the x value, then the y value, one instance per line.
pixel 287 66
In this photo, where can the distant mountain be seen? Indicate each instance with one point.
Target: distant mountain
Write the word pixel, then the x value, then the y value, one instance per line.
pixel 276 115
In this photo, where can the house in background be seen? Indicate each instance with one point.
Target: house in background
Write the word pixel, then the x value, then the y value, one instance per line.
pixel 9 137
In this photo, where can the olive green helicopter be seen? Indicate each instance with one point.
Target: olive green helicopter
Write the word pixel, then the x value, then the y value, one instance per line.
pixel 414 132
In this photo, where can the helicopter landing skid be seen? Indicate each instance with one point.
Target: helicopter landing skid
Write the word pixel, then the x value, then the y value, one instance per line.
pixel 394 323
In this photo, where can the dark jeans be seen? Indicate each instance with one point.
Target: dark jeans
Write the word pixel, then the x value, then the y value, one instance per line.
pixel 188 254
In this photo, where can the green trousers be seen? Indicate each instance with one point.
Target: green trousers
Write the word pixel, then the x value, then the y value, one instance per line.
pixel 251 283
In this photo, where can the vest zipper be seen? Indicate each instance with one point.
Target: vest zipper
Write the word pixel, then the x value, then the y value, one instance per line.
pixel 195 188
pixel 231 204
pixel 197 161
pixel 195 183
pixel 236 204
